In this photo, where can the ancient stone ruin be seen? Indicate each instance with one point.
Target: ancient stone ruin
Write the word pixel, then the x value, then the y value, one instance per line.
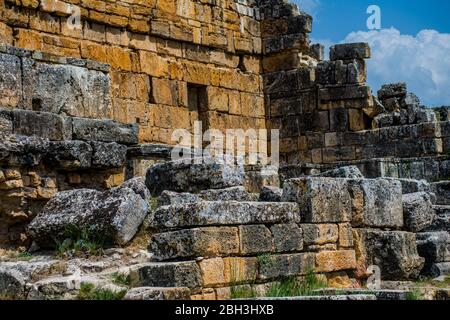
pixel 91 201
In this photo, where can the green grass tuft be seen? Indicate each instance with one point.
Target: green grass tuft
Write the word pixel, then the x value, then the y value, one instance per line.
pixel 414 295
pixel 89 292
pixel 121 279
pixel 293 287
pixel 80 242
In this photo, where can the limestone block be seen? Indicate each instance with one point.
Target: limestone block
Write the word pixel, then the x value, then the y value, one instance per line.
pixel 108 155
pixel 228 194
pixel 321 200
pixel 198 242
pixel 286 265
pixel 105 131
pixel 42 124
pixel 319 234
pixel 434 246
pixel 392 90
pixel 239 269
pixel 255 239
pixel 270 194
pixel 169 274
pixel 417 211
pixel 173 198
pixel 69 155
pixel 350 51
pixel 345 235
pixel 65 89
pixel 180 176
pixel 330 261
pixel 225 213
pixel 287 237
pixel 115 215
pixel 10 81
pixel 395 252
pixel 376 203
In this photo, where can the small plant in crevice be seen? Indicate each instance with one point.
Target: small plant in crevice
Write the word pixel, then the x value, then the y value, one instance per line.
pixel 154 203
pixel 414 295
pixel 242 292
pixel 80 242
pixel 89 292
pixel 264 260
pixel 293 287
pixel 240 273
pixel 121 279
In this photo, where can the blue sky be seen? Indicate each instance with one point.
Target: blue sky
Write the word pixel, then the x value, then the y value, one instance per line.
pixel 413 45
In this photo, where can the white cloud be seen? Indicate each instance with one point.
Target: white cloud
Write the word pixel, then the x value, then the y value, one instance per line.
pixel 309 6
pixel 422 61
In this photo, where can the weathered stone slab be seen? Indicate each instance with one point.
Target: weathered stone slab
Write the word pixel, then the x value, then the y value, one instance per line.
pixel 286 265
pixel 417 211
pixel 439 269
pixel 152 293
pixel 170 274
pixel 434 246
pixel 287 237
pixel 173 198
pixel 109 155
pixel 321 200
pixel 270 194
pixel 42 124
pixel 330 261
pixel 395 252
pixel 18 150
pixel 208 213
pixel 392 90
pixel 442 191
pixel 69 155
pixel 255 239
pixel 441 221
pixel 376 203
pixel 186 177
pixel 6 121
pixel 105 131
pixel 229 194
pixel 10 81
pixel 193 243
pixel 350 51
pixel 319 234
pixel 115 214
pixel 65 89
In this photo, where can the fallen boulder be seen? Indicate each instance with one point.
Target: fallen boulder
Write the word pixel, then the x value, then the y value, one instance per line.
pixel 193 177
pixel 270 194
pixel 394 252
pixel 417 211
pixel 114 215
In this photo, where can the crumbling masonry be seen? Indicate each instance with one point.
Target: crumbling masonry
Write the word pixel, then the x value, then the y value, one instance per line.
pixel 87 113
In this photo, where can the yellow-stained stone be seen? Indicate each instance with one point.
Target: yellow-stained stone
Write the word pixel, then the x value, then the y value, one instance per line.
pixel 329 261
pixel 212 271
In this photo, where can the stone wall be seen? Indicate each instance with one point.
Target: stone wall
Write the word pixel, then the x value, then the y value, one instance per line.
pixel 47 142
pixel 169 60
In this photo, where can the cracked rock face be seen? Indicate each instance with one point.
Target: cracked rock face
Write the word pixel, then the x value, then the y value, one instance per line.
pixel 115 214
pixel 181 177
pixel 395 252
pixel 418 211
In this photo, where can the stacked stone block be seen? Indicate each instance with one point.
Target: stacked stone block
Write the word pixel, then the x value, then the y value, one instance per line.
pixel 171 62
pixel 370 215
